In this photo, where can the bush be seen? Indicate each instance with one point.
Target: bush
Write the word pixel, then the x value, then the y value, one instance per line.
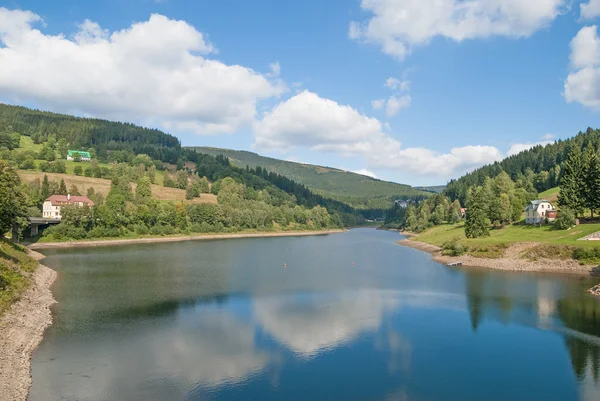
pixel 78 170
pixel 105 232
pixel 586 254
pixel 61 232
pixel 565 219
pixel 141 229
pixel 453 248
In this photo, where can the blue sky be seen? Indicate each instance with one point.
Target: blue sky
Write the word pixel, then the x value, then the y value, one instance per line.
pixel 475 81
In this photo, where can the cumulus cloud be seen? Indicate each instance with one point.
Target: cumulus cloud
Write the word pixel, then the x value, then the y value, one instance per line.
pixel 520 147
pixel 395 104
pixel 365 172
pixel 398 25
pixel 590 10
pixel 583 82
pixel 309 121
pixel 156 70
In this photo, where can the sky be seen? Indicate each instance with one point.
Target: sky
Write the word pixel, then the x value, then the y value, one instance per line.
pixel 411 91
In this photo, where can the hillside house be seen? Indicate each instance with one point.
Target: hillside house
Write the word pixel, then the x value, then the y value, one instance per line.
pixel 52 205
pixel 83 155
pixel 538 211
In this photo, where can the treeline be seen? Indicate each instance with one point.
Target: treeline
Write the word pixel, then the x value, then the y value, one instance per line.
pixel 538 168
pixel 126 213
pixel 498 202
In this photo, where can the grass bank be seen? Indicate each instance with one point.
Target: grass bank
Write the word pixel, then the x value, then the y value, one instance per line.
pixel 16 268
pixel 517 247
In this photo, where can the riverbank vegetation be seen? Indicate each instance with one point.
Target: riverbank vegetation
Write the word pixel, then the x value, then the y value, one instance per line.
pixel 15 271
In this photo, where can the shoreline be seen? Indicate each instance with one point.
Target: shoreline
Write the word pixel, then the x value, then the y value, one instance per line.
pixel 150 240
pixel 509 262
pixel 22 328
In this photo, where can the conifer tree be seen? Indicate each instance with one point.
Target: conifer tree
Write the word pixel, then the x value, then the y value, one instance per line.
pixel 572 182
pixel 62 188
pixel 477 224
pixel 45 188
pixel 591 189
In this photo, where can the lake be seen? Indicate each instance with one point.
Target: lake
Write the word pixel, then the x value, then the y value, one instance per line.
pixel 348 316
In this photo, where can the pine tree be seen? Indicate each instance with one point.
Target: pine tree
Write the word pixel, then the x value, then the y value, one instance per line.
pixel 477 224
pixel 591 189
pixel 572 182
pixel 45 188
pixel 62 188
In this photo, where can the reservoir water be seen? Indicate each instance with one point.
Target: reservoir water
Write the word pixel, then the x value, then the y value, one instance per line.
pixel 351 316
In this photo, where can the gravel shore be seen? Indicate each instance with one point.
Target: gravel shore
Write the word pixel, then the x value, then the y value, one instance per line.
pixel 21 330
pixel 72 244
pixel 511 260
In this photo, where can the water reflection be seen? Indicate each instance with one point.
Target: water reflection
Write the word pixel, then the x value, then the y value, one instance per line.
pixel 567 310
pixel 224 320
pixel 310 324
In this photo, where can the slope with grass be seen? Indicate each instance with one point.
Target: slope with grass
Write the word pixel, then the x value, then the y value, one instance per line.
pixel 16 266
pixel 354 189
pixel 551 195
pixel 103 186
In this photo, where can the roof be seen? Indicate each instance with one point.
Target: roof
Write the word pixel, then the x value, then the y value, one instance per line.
pixel 82 153
pixel 60 200
pixel 535 204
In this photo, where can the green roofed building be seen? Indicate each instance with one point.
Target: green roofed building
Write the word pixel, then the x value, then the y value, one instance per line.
pixel 83 155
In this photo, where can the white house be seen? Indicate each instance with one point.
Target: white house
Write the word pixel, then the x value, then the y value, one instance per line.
pixel 52 205
pixel 538 211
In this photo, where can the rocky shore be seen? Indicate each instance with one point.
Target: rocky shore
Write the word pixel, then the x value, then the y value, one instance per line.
pixel 21 330
pixel 595 290
pixel 510 261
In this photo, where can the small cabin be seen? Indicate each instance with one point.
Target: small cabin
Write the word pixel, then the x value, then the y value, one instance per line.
pixel 538 211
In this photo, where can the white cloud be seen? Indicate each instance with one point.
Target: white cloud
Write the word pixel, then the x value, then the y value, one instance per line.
pixel 365 172
pixel 309 121
pixel 275 70
pixel 520 147
pixel 395 104
pixel 591 9
pixel 154 71
pixel 398 25
pixel 583 82
pixel 378 104
pixel 396 84
pixel 392 83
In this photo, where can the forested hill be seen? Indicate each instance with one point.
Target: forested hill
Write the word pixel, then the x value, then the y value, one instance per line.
pixel 354 189
pixel 539 166
pixel 83 133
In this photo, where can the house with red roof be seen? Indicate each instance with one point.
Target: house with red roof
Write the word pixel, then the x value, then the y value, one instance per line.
pixel 52 205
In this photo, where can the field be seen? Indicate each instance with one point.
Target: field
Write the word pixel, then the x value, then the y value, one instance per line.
pixel 103 186
pixel 550 195
pixel 512 234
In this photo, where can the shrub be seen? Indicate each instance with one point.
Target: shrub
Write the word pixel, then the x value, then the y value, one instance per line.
pixel 565 219
pixel 141 229
pixel 586 254
pixel 453 248
pixel 78 170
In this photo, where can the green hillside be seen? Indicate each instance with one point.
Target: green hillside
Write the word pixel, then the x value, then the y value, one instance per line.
pixel 357 190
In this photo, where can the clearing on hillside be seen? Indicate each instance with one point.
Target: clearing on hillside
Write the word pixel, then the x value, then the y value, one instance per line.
pixel 103 186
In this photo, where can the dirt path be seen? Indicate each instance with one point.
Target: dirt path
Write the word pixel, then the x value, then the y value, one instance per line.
pixel 511 261
pixel 21 330
pixel 72 244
